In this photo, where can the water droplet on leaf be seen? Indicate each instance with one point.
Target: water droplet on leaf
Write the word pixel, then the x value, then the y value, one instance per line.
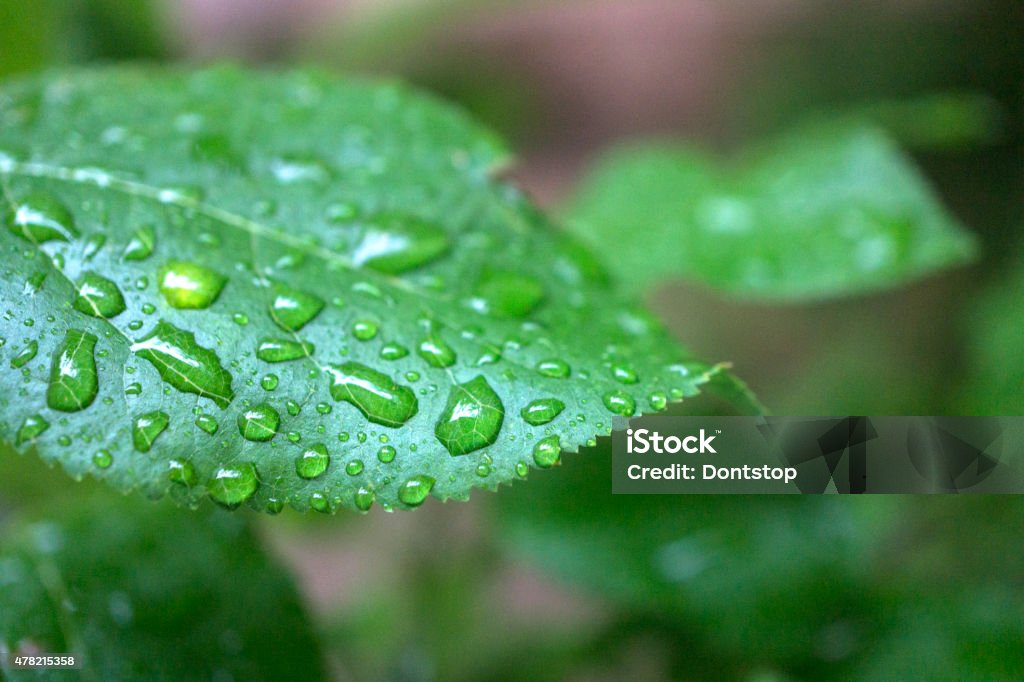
pixel 313 461
pixel 259 423
pixel 376 395
pixel 189 286
pixel 73 381
pixel 414 491
pixel 547 451
pixel 98 297
pixel 184 364
pixel 471 418
pixel 41 218
pixel 147 428
pixel 542 411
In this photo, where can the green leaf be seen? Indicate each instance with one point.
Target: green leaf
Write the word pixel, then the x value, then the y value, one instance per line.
pixel 820 213
pixel 150 592
pixel 213 278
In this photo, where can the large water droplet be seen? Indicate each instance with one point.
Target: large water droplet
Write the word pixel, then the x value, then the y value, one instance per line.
pixel 313 461
pixel 283 350
pixel 291 309
pixel 41 218
pixel 259 423
pixel 433 348
pixel 98 297
pixel 542 411
pixel 231 486
pixel 30 429
pixel 394 244
pixel 147 428
pixel 547 451
pixel 507 293
pixel 414 491
pixel 141 245
pixel 472 417
pixel 73 380
pixel 376 395
pixel 26 354
pixel 189 286
pixel 184 364
pixel 619 402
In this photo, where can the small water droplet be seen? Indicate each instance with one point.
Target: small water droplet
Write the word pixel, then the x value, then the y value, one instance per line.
pixel 554 368
pixel 376 395
pixel 313 461
pixel 147 428
pixel 73 380
pixel 522 468
pixel 354 468
pixel 624 374
pixel 364 330
pixel 134 388
pixel 547 451
pixel 293 407
pixel 414 491
pixel 291 309
pixel 658 400
pixel 269 382
pixel 324 408
pixel 619 402
pixel 34 283
pixel 41 218
pixel 241 319
pixel 259 423
pixel 189 286
pixel 507 294
pixel 103 459
pixel 283 350
pixel 433 348
pixel 141 245
pixel 542 411
pixel 386 454
pixel 98 297
pixel 182 472
pixel 471 418
pixel 26 354
pixel 393 351
pixel 231 486
pixel 364 498
pixel 394 244
pixel 30 429
pixel 208 423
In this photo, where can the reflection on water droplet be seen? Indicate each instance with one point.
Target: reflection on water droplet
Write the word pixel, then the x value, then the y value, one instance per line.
pixel 376 395
pixel 542 411
pixel 147 427
pixel 73 381
pixel 189 286
pixel 98 297
pixel 472 417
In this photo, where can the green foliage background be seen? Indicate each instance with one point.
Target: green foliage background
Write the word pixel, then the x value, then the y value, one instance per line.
pixel 553 577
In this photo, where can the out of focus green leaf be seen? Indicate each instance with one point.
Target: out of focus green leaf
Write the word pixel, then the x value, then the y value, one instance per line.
pixel 816 587
pixel 145 591
pixel 822 212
